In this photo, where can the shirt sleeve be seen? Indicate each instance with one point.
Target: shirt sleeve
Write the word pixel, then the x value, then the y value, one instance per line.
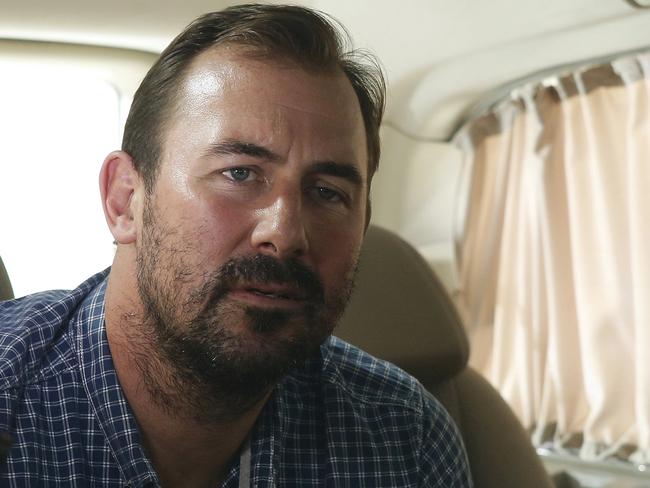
pixel 443 460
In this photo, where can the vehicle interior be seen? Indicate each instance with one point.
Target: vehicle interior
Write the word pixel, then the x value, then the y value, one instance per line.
pixel 506 264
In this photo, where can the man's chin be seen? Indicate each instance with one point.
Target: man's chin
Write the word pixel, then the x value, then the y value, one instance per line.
pixel 301 321
pixel 231 355
pixel 255 331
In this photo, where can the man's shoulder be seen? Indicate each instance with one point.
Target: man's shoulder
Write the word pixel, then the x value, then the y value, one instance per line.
pixel 27 326
pixel 376 399
pixel 30 327
pixel 368 379
pixel 17 316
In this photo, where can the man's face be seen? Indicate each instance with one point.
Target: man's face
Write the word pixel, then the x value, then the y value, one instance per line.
pixel 250 238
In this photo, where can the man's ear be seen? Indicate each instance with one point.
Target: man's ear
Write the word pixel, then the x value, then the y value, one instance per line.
pixel 119 182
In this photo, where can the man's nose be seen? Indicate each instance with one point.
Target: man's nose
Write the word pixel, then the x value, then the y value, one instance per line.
pixel 280 228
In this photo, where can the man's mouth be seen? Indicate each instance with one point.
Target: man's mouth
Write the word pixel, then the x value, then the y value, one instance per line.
pixel 269 295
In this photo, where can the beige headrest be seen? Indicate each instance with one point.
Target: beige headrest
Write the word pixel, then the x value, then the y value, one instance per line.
pixel 400 311
pixel 6 293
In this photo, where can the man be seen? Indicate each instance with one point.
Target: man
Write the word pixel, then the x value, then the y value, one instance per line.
pixel 203 357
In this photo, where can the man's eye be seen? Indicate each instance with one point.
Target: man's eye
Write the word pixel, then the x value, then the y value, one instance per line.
pixel 239 174
pixel 329 195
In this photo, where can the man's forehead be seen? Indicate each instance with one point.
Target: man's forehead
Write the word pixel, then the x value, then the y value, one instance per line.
pixel 228 75
pixel 227 65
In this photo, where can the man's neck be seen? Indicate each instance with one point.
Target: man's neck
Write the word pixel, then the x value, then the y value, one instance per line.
pixel 184 451
pixel 187 454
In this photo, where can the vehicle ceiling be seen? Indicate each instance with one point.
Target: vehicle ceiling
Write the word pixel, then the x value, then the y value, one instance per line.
pixel 441 56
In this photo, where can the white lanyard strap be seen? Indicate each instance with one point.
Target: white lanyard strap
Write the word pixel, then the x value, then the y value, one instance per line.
pixel 245 466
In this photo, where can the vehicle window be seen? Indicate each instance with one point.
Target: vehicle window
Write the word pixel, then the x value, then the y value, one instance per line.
pixel 59 120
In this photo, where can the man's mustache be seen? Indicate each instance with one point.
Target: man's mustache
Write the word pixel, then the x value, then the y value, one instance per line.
pixel 262 268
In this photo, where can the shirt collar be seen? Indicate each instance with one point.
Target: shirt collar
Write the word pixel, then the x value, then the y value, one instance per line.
pixel 269 436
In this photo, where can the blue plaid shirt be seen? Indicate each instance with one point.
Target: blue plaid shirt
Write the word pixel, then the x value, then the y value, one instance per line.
pixel 344 419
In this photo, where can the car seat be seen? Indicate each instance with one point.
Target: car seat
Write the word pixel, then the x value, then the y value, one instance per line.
pixel 6 292
pixel 400 312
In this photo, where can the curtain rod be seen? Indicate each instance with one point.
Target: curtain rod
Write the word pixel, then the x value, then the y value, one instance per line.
pixel 499 94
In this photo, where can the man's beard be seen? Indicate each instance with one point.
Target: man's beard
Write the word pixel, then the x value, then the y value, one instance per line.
pixel 209 357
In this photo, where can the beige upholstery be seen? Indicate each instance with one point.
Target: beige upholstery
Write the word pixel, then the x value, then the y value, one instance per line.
pixel 6 293
pixel 400 312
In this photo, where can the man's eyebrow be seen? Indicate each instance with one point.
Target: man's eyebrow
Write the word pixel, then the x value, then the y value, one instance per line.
pixel 235 147
pixel 332 168
pixel 341 170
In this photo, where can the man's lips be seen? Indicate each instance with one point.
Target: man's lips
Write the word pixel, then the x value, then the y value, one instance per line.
pixel 270 295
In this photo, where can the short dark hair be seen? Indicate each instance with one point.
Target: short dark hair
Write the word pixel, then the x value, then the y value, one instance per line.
pixel 301 35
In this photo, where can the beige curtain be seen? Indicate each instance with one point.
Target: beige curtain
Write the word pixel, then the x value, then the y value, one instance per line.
pixel 553 249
